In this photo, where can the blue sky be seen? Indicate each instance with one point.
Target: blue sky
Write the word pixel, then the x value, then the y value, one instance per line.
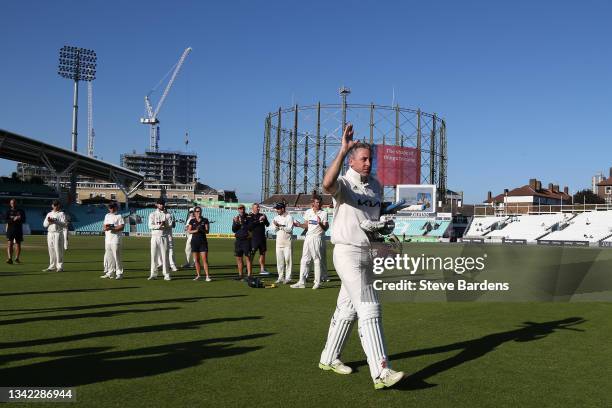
pixel 525 87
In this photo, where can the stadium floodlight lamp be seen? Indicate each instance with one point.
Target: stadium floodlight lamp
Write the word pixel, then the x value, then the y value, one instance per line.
pixel 78 64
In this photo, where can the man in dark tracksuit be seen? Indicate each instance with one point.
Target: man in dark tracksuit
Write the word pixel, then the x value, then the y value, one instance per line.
pixel 258 225
pixel 242 246
pixel 15 218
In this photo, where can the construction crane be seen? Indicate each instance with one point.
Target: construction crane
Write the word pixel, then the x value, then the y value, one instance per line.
pixel 90 129
pixel 151 114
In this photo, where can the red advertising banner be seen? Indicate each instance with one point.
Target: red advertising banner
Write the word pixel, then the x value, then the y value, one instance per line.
pixel 397 165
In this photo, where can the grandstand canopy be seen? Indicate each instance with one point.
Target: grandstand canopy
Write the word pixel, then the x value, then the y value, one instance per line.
pixel 23 149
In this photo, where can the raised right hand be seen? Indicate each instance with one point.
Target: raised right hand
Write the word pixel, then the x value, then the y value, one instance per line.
pixel 347 138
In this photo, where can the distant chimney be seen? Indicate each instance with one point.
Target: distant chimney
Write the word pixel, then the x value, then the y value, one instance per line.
pixel 539 185
pixel 556 188
pixel 489 196
pixel 566 190
pixel 533 183
pixel 610 171
pixel 505 191
pixel 550 186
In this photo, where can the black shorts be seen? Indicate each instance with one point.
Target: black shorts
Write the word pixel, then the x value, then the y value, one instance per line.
pixel 242 247
pixel 199 245
pixel 259 245
pixel 15 236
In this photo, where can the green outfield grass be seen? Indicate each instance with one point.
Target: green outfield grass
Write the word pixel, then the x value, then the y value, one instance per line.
pixel 193 344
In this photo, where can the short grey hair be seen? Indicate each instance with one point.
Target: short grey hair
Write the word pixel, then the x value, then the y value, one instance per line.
pixel 359 145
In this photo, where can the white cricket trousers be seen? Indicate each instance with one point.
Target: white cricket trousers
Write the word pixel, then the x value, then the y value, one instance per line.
pixel 188 253
pixel 312 252
pixel 112 257
pixel 357 299
pixel 284 262
pixel 170 245
pixel 55 244
pixel 159 249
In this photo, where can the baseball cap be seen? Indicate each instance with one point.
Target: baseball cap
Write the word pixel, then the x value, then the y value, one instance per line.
pixel 241 206
pixel 278 206
pixel 191 209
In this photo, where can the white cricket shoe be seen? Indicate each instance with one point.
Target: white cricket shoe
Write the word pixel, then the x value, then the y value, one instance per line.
pixel 208 279
pixel 317 286
pixel 106 276
pixel 264 272
pixel 279 280
pixel 298 285
pixel 49 269
pixel 388 378
pixel 167 278
pixel 118 277
pixel 337 367
pixel 152 278
pixel 287 281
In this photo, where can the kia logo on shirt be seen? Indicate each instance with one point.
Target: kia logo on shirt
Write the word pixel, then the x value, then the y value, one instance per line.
pixel 368 203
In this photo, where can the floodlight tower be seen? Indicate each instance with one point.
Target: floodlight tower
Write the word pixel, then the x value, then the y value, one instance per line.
pixel 91 133
pixel 344 92
pixel 77 64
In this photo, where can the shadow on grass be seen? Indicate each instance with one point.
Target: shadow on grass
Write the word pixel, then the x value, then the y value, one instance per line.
pixel 191 325
pixel 93 366
pixel 47 292
pixel 103 305
pixel 473 349
pixel 108 313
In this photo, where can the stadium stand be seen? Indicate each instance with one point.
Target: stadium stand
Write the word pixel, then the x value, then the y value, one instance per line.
pixel 481 226
pixel 588 228
pixel 527 228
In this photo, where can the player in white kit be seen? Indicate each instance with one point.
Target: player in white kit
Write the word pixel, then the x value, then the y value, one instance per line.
pixel 55 222
pixel 315 223
pixel 158 223
pixel 188 253
pixel 113 229
pixel 283 224
pixel 357 202
pixel 170 224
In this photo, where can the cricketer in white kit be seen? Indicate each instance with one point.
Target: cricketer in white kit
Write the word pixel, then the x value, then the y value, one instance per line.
pixel 313 252
pixel 357 202
pixel 188 253
pixel 55 223
pixel 113 229
pixel 170 224
pixel 283 224
pixel 158 223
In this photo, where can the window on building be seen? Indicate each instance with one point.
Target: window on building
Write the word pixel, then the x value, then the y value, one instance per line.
pixel 174 196
pixel 91 195
pixel 103 195
pixel 184 196
pixel 149 195
pixel 608 189
pixel 113 196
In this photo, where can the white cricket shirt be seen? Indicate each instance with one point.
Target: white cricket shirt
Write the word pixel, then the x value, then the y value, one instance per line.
pixel 354 202
pixel 284 231
pixel 310 217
